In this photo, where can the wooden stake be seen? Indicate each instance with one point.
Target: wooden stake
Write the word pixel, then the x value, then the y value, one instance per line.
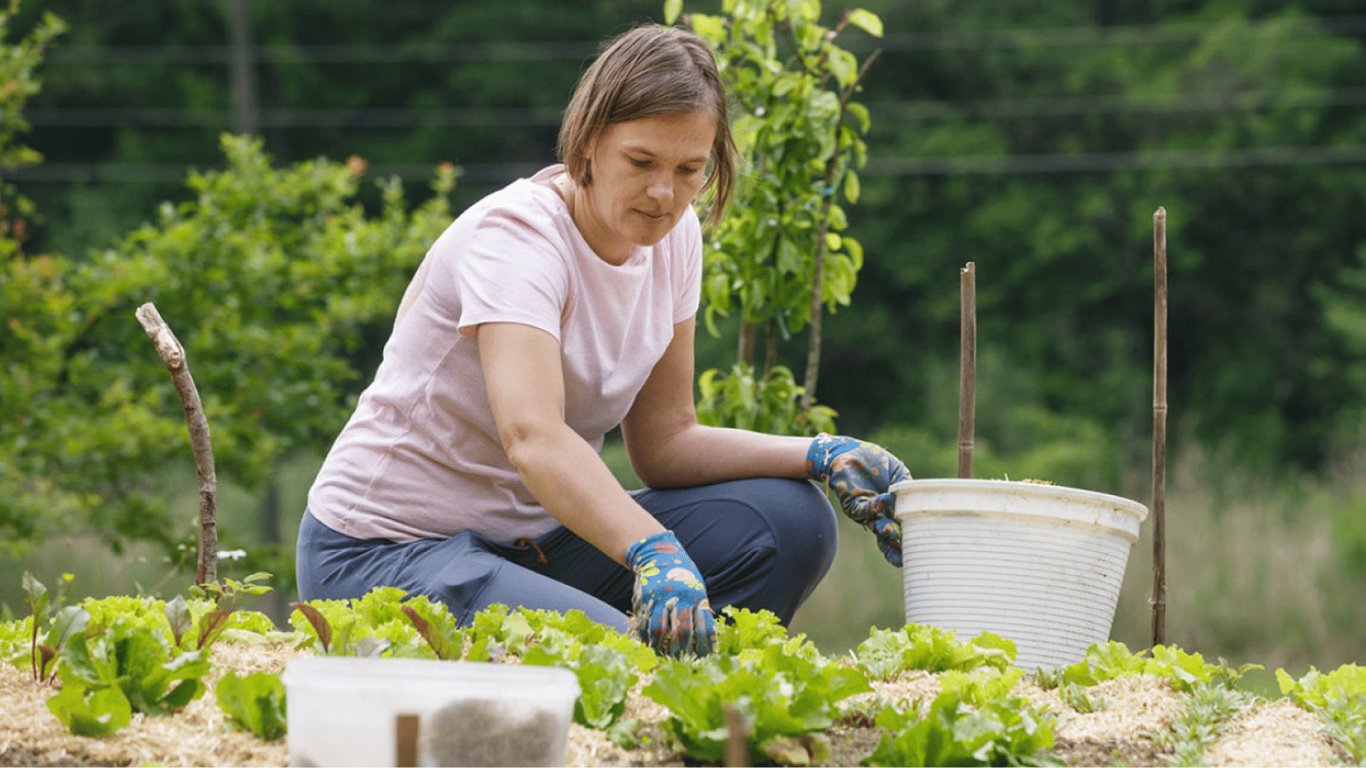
pixel 173 355
pixel 737 739
pixel 1159 596
pixel 967 380
pixel 405 740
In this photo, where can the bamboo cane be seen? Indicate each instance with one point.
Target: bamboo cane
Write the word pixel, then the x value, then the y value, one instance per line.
pixel 173 355
pixel 967 380
pixel 1159 595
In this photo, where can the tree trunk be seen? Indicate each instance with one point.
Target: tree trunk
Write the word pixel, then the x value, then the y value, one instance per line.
pixel 744 348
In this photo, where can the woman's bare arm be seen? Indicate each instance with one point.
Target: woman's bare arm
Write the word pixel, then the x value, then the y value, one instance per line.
pixel 525 384
pixel 667 446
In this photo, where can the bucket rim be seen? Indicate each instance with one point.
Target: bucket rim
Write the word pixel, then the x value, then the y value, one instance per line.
pixel 1042 490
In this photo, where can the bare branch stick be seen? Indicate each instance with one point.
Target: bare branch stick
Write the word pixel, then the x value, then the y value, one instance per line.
pixel 967 379
pixel 173 355
pixel 1159 596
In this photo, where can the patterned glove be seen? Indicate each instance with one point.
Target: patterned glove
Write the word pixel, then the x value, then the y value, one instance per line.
pixel 860 474
pixel 669 606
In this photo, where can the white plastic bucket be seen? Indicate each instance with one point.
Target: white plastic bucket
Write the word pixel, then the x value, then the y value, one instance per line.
pixel 343 711
pixel 1039 564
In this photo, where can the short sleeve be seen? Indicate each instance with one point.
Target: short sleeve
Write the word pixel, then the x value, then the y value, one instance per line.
pixel 511 272
pixel 688 269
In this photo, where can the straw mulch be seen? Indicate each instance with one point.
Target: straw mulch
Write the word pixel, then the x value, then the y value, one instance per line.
pixel 1121 733
pixel 198 735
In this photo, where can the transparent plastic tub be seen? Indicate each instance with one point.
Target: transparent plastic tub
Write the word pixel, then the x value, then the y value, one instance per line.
pixel 1039 564
pixel 345 711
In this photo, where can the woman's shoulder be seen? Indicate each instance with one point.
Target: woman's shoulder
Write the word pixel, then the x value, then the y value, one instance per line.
pixel 528 204
pixel 526 210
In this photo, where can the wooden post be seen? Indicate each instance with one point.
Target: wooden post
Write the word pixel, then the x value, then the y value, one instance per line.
pixel 405 740
pixel 967 380
pixel 1159 596
pixel 173 355
pixel 737 738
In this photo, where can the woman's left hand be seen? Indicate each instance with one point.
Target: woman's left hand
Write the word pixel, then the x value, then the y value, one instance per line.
pixel 860 474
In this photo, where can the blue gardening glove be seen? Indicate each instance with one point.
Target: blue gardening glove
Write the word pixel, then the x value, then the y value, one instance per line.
pixel 669 606
pixel 860 473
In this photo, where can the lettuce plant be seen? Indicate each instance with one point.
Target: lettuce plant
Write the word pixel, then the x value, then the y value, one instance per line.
pixel 780 685
pixel 887 653
pixel 1338 698
pixel 254 702
pixel 109 672
pixel 1107 661
pixel 999 732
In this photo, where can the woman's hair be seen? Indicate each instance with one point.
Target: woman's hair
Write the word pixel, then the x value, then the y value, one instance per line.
pixel 645 72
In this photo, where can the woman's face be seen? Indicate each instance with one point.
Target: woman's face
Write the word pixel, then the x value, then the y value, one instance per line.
pixel 645 174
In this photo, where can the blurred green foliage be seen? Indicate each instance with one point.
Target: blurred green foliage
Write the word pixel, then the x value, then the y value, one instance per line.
pixel 1035 139
pixel 279 285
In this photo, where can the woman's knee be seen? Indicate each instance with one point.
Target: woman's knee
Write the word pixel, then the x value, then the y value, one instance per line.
pixel 804 534
pixel 802 520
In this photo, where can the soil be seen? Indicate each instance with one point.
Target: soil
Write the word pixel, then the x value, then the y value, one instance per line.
pixel 1119 733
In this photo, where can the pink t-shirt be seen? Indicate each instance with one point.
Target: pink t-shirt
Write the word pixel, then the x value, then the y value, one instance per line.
pixel 421 456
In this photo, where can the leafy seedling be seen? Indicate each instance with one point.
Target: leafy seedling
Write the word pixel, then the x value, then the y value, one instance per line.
pixel 255 702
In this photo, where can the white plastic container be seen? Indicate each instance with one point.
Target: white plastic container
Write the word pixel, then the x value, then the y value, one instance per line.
pixel 343 711
pixel 1039 564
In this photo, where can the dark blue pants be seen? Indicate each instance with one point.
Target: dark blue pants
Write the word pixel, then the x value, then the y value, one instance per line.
pixel 759 543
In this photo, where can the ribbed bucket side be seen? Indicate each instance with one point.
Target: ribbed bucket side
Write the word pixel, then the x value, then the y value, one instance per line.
pixel 1052 588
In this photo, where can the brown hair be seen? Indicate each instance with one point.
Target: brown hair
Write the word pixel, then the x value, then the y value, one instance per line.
pixel 649 71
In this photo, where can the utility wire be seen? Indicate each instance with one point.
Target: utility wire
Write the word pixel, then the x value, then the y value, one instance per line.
pixel 1125 36
pixel 921 110
pixel 526 51
pixel 1091 162
pixel 975 165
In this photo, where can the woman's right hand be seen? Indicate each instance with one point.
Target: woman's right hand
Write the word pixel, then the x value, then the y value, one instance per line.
pixel 669 606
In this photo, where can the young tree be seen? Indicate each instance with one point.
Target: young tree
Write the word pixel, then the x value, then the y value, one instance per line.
pixel 782 257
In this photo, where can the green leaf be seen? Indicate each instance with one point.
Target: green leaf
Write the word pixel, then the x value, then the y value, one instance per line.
pixel 87 712
pixel 178 616
pixel 866 20
pixel 672 8
pixel 88 659
pixel 851 187
pixel 254 702
pixel 709 28
pixel 860 113
pixel 36 594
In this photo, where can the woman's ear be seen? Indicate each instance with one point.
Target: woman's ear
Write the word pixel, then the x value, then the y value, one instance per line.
pixel 590 148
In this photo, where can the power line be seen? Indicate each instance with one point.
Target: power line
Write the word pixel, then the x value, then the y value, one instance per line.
pixel 1063 106
pixel 1091 162
pixel 920 110
pixel 529 51
pixel 115 117
pixel 1125 36
pixel 276 54
pixel 977 165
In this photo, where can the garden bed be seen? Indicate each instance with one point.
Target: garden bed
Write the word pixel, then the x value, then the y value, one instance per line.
pixel 1264 733
pixel 914 695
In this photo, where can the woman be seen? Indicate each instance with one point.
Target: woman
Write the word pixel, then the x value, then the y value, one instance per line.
pixel 546 315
